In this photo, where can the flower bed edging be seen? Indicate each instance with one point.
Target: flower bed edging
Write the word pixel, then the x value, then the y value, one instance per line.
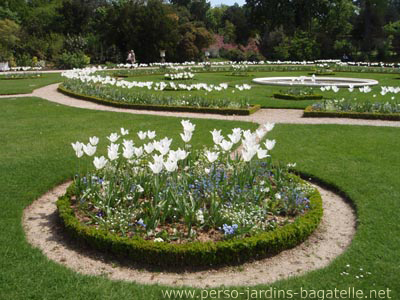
pixel 310 113
pixel 221 111
pixel 194 254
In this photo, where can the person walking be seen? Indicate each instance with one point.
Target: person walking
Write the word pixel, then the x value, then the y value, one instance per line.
pixel 131 57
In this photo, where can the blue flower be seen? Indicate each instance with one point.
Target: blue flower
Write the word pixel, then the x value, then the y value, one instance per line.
pixel 141 223
pixel 229 230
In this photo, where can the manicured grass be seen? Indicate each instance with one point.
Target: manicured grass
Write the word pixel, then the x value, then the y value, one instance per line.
pixel 363 162
pixel 263 94
pixel 26 86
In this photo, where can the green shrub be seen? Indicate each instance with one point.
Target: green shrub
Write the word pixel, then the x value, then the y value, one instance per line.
pixel 69 60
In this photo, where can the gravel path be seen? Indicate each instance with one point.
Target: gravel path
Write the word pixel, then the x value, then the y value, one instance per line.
pixel 287 116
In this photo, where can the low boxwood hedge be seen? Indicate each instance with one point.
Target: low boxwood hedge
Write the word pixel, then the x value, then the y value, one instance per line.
pixel 310 113
pixel 195 254
pixel 210 110
pixel 297 97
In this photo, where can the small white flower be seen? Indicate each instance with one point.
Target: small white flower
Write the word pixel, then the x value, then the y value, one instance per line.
pixel 269 126
pixel 188 126
pixel 113 137
pixel 100 162
pixel 89 149
pixel 151 134
pixel 270 144
pixel 171 165
pixel 225 145
pixel 211 156
pixel 142 135
pixel 207 171
pixel 158 240
pixel 138 151
pixel 261 153
pixel 186 136
pixel 77 146
pixel 94 140
pixel 149 147
pixel 139 189
pixel 156 167
pixel 124 131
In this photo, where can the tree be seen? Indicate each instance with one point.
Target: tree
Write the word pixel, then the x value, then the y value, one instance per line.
pixel 9 31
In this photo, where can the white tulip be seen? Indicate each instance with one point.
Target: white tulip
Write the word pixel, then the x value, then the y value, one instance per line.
pixel 113 137
pixel 270 144
pixel 269 126
pixel 151 134
pixel 186 136
pixel 171 165
pixel 142 135
pixel 77 146
pixel 261 153
pixel 211 156
pixel 156 167
pixel 113 151
pixel 188 126
pixel 94 140
pixel 138 151
pixel 100 162
pixel 124 131
pixel 89 149
pixel 260 133
pixel 149 147
pixel 225 145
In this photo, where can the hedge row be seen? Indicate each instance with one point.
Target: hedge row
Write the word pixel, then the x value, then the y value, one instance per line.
pixel 310 113
pixel 195 254
pixel 221 111
pixel 297 97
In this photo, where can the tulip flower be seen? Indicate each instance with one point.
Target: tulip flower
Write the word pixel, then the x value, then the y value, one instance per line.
pixel 89 149
pixel 149 147
pixel 269 126
pixel 188 126
pixel 100 162
pixel 156 167
pixel 211 156
pixel 113 137
pixel 151 134
pixel 225 145
pixel 261 153
pixel 124 131
pixel 142 135
pixel 270 144
pixel 186 136
pixel 94 140
pixel 171 165
pixel 138 151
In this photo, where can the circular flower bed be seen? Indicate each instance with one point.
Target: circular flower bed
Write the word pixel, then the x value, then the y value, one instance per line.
pixel 186 206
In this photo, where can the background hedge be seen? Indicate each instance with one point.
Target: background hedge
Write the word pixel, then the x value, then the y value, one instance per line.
pixel 310 113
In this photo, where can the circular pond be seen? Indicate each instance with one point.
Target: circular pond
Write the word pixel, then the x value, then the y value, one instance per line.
pixel 316 81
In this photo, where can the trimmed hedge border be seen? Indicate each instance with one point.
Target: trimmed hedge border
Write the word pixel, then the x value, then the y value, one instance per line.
pixel 220 111
pixel 310 113
pixel 194 254
pixel 297 97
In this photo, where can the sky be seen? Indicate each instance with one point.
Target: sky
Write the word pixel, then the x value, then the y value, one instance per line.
pixel 227 2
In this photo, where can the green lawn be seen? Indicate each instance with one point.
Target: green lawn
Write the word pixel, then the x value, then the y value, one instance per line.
pixel 362 162
pixel 263 94
pixel 26 86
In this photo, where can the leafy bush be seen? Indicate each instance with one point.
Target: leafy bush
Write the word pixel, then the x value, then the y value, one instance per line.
pixel 69 60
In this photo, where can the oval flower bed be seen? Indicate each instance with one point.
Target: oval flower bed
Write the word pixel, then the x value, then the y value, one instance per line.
pixel 354 109
pixel 14 76
pixel 189 207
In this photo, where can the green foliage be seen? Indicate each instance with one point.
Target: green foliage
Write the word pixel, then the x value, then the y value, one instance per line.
pixel 9 31
pixel 69 60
